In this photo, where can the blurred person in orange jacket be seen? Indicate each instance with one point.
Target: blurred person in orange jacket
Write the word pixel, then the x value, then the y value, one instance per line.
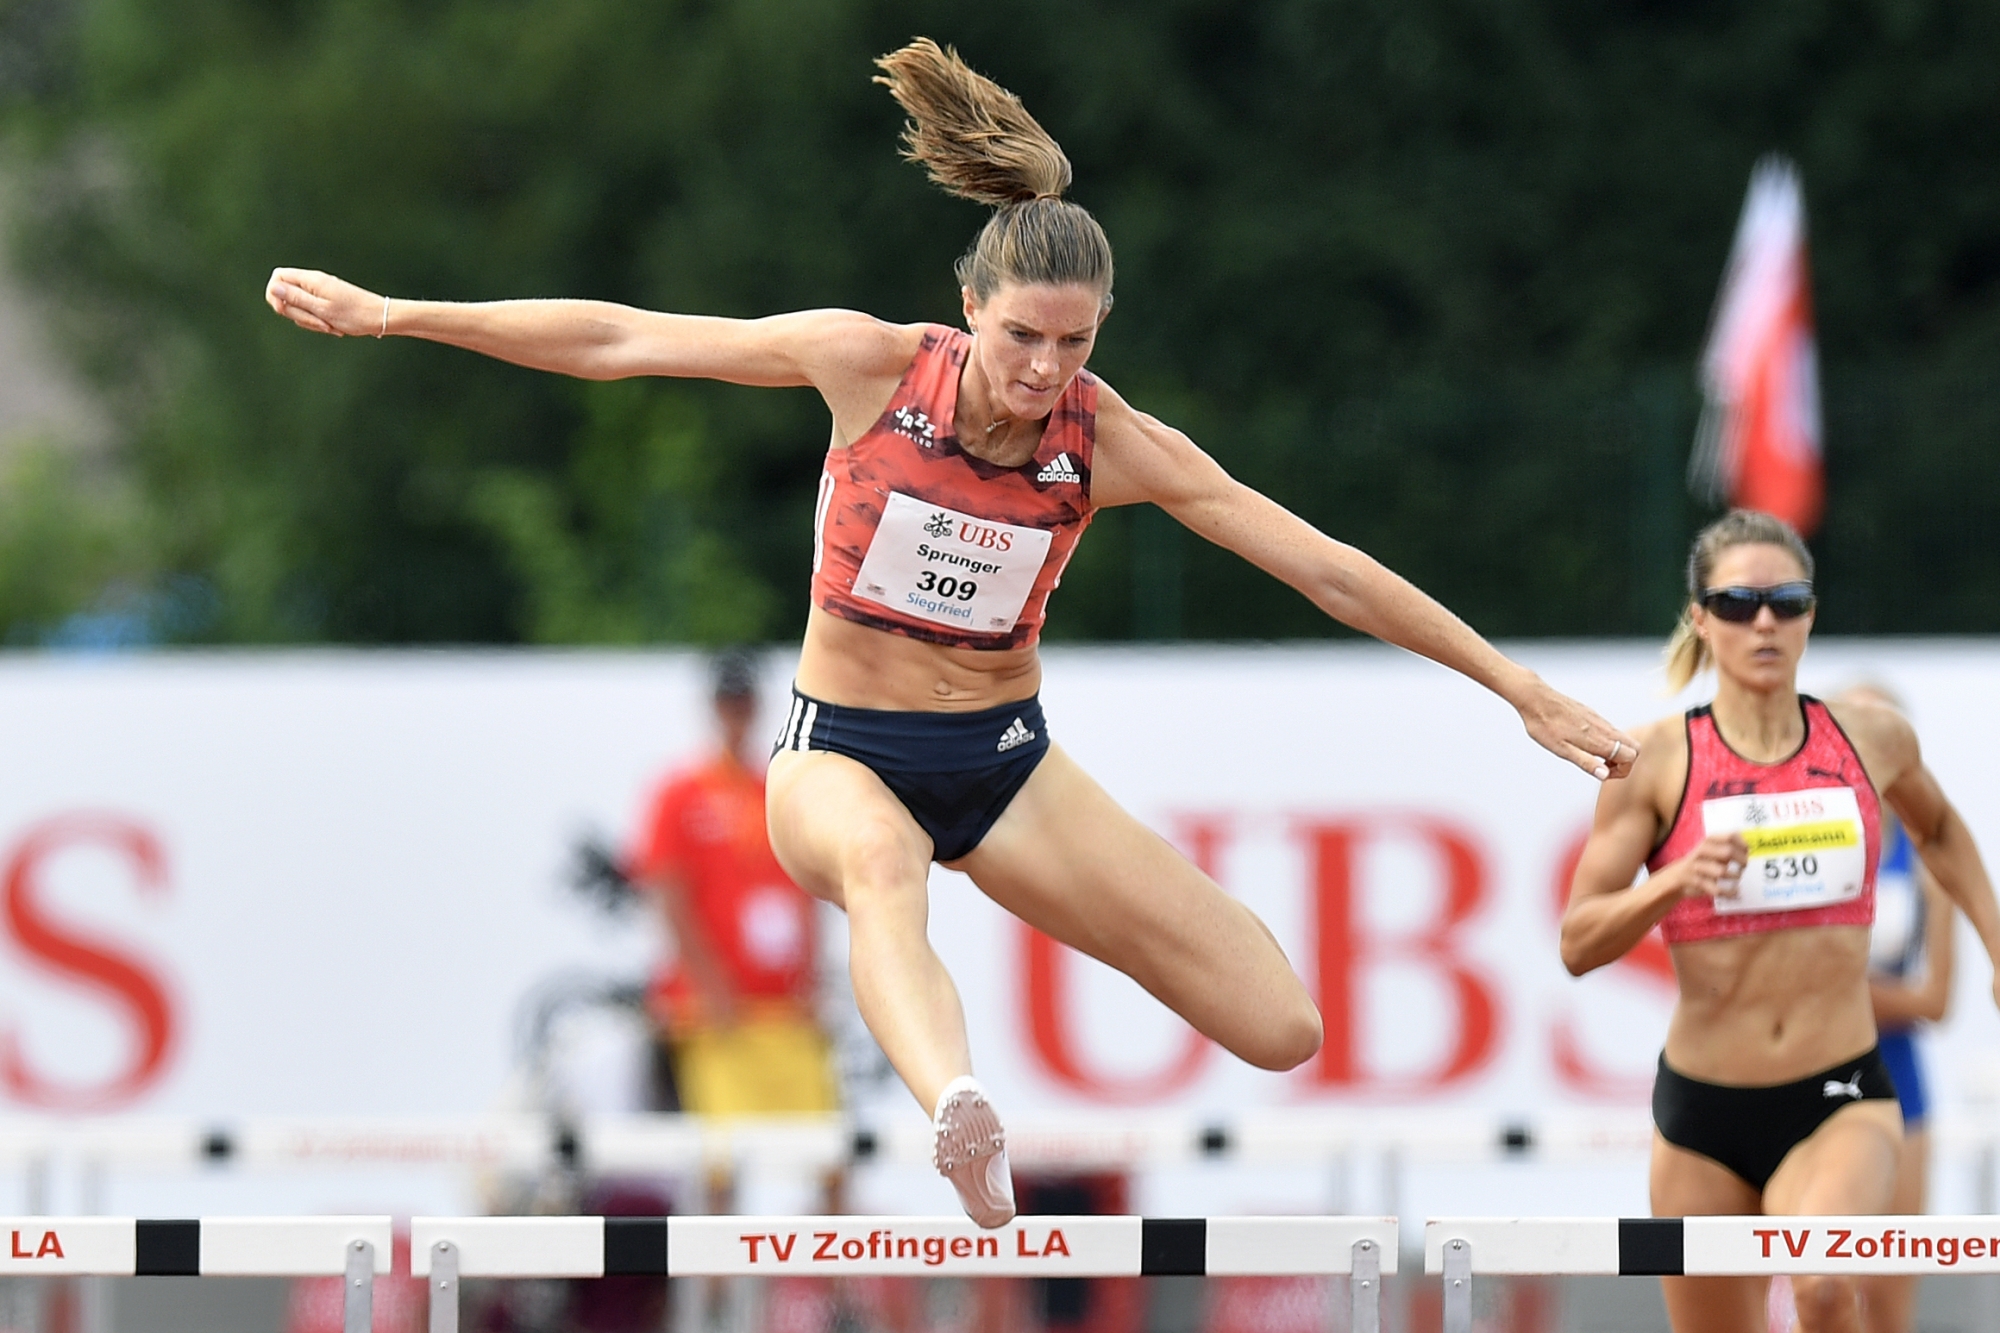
pixel 734 1005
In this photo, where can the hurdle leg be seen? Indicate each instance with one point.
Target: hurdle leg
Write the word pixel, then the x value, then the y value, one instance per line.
pixel 444 1288
pixel 1364 1285
pixel 1457 1287
pixel 358 1292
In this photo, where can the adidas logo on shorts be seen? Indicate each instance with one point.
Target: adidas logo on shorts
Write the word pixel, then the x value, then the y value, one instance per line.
pixel 1016 734
pixel 1060 469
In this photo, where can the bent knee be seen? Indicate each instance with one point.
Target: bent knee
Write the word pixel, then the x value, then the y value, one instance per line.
pixel 872 860
pixel 1288 1039
pixel 878 857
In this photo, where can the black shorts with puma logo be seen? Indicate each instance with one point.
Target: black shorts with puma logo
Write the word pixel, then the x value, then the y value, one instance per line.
pixel 1750 1129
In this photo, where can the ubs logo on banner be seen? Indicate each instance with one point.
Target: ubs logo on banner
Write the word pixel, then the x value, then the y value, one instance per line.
pixel 1460 1000
pixel 113 975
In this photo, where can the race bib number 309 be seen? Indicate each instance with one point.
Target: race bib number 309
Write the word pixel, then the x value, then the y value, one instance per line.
pixel 948 568
pixel 1806 848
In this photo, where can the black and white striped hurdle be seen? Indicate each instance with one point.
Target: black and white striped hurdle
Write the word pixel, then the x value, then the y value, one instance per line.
pixel 445 1250
pixel 355 1248
pixel 1458 1248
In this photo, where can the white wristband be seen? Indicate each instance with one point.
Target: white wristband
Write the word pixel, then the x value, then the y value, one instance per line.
pixel 385 317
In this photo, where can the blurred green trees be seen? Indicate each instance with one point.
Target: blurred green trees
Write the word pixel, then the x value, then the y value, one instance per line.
pixel 1432 272
pixel 67 541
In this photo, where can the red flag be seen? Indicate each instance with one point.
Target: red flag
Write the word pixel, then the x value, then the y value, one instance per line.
pixel 1759 442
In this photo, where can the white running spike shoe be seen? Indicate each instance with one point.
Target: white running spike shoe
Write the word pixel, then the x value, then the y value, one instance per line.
pixel 969 1148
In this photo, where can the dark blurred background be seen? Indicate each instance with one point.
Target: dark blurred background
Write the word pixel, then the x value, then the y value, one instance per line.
pixel 1434 273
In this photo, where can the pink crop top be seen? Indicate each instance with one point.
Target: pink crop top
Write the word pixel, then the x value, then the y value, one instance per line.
pixel 1812 823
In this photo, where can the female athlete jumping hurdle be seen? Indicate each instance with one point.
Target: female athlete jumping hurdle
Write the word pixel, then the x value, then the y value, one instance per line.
pixel 962 469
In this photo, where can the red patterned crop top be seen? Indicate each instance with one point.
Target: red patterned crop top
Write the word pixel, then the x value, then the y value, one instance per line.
pixel 915 536
pixel 1812 823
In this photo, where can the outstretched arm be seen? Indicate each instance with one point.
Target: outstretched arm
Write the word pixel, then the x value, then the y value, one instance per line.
pixel 599 340
pixel 1140 459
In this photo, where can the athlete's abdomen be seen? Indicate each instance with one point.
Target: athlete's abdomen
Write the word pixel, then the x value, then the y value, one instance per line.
pixel 852 664
pixel 1770 1007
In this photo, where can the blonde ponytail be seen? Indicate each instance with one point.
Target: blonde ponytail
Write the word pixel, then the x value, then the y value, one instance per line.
pixel 1687 654
pixel 975 140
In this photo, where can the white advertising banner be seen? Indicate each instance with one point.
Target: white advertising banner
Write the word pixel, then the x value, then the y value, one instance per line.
pixel 324 883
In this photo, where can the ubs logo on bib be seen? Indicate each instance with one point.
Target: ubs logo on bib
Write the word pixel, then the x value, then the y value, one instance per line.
pixel 939 526
pixel 1782 809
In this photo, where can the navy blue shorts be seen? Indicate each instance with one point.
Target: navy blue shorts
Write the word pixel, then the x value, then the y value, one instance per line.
pixel 955 773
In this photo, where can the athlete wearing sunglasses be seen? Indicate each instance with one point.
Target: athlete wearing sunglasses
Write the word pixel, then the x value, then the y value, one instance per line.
pixel 1758 818
pixel 1739 606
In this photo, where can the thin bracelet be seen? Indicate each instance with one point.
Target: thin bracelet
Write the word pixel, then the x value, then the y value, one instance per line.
pixel 385 317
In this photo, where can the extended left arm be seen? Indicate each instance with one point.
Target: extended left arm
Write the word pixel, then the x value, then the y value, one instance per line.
pixel 1140 459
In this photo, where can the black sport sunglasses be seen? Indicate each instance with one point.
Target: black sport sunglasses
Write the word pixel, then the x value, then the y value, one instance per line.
pixel 1788 601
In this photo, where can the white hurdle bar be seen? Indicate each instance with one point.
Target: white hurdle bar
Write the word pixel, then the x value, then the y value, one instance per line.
pixel 1734 1246
pixel 445 1250
pixel 357 1249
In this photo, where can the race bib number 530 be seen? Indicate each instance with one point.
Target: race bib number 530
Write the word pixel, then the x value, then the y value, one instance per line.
pixel 1806 848
pixel 949 568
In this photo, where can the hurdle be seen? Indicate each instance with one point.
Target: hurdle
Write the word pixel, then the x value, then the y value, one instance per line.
pixel 356 1249
pixel 446 1250
pixel 1457 1248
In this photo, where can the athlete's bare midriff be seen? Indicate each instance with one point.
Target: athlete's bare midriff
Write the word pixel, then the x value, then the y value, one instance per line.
pixel 843 662
pixel 1773 1007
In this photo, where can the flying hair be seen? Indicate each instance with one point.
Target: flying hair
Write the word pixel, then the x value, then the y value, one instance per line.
pixel 975 140
pixel 972 136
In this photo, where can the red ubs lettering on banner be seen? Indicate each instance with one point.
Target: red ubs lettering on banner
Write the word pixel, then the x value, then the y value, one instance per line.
pixel 1345 951
pixel 1649 963
pixel 127 982
pixel 50 1247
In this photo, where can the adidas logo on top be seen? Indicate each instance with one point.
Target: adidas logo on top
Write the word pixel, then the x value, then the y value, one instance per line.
pixel 1016 734
pixel 1060 469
